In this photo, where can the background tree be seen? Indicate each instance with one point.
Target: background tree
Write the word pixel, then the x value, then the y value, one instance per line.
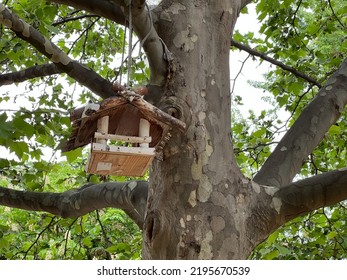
pixel 197 203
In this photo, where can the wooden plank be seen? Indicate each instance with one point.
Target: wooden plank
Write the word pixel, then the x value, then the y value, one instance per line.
pixel 122 149
pixel 129 139
pixel 118 163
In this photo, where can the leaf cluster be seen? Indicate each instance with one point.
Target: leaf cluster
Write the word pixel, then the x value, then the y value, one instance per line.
pixel 320 235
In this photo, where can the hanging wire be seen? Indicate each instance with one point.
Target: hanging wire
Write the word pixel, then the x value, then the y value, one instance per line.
pixel 122 60
pixel 130 44
pixel 131 48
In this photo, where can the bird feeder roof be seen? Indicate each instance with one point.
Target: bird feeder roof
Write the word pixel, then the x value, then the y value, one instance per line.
pixel 125 113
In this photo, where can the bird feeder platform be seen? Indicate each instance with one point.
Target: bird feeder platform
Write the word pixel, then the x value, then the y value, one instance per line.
pixel 126 134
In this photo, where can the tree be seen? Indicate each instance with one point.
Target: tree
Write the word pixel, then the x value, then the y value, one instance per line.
pixel 197 203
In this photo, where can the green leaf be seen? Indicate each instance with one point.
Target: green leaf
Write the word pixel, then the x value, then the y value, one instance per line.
pixel 283 250
pixel 23 127
pixel 52 29
pixel 120 247
pixel 271 239
pixel 87 241
pixel 312 28
pixel 6 128
pixel 332 234
pixel 20 148
pixel 71 156
pixel 4 228
pixel 260 132
pixel 271 255
pixel 334 130
pixel 4 244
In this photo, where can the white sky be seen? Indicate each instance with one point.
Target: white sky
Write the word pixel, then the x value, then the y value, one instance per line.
pixel 251 97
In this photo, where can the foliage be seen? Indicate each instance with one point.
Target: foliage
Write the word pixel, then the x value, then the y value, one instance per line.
pixel 310 36
pixel 106 234
pixel 319 235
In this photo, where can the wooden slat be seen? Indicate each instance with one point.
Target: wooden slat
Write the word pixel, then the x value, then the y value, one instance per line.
pixel 129 139
pixel 122 149
pixel 115 160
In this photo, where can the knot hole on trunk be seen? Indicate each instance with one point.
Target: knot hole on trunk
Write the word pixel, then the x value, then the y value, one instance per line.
pixel 176 107
pixel 152 225
pixel 174 112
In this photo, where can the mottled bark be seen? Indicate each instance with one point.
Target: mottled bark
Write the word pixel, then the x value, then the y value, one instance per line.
pixel 196 206
pixel 306 133
pixel 304 196
pixel 129 196
pixel 278 205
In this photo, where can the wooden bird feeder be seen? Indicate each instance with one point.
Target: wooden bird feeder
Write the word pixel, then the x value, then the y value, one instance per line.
pixel 126 134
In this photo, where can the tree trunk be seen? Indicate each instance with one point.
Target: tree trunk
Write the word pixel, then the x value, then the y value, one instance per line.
pixel 196 204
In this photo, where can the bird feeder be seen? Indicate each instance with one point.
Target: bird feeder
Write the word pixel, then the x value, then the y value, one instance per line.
pixel 126 134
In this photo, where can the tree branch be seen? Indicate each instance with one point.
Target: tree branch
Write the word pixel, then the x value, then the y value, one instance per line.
pixel 65 20
pixel 275 62
pixel 306 133
pixel 154 47
pixel 64 63
pixel 129 196
pixel 117 11
pixel 304 196
pixel 103 8
pixel 29 73
pixel 333 11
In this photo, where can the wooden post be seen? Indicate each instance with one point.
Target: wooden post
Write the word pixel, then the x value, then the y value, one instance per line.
pixel 144 131
pixel 103 128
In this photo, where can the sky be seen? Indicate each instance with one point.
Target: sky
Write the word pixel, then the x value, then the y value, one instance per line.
pixel 252 69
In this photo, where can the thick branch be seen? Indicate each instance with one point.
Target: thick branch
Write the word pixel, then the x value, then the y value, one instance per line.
pixel 306 133
pixel 143 26
pixel 129 196
pixel 275 62
pixel 103 8
pixel 154 47
pixel 74 69
pixel 310 194
pixel 30 73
